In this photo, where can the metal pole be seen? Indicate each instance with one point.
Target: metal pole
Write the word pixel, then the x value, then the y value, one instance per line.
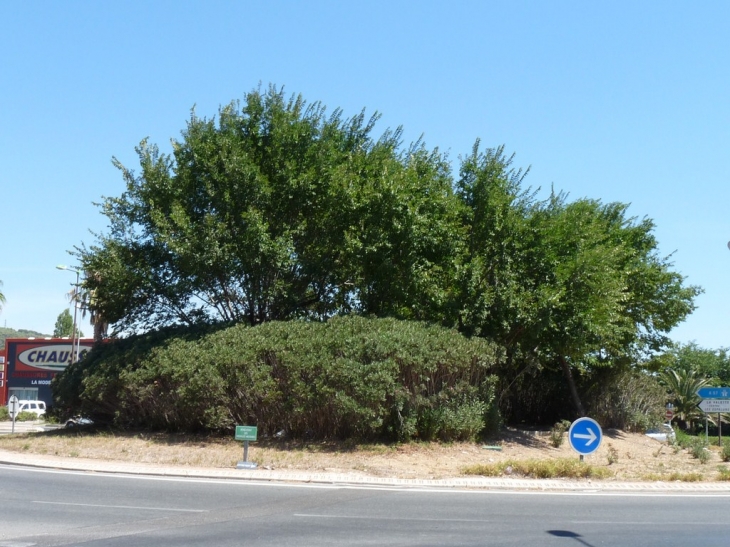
pixel 75 352
pixel 245 451
pixel 719 430
pixel 75 340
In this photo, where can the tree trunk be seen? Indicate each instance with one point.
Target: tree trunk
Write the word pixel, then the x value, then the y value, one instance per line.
pixel 573 390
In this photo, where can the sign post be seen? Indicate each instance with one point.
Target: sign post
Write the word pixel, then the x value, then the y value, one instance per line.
pixel 246 433
pixel 715 399
pixel 13 407
pixel 585 436
pixel 714 392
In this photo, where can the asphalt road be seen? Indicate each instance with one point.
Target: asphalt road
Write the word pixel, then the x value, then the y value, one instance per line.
pixel 46 508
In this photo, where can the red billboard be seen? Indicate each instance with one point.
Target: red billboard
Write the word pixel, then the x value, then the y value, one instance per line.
pixel 31 364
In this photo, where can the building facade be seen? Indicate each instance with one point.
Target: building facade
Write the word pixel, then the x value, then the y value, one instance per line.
pixel 31 363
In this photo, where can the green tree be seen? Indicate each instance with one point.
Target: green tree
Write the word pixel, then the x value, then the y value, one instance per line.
pixel 2 297
pixel 706 363
pixel 569 285
pixel 274 211
pixel 682 386
pixel 85 300
pixel 65 325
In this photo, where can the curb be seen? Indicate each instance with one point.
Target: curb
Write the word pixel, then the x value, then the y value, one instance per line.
pixel 505 484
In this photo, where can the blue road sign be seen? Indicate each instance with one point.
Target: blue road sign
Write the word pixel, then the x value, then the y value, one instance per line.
pixel 714 392
pixel 585 435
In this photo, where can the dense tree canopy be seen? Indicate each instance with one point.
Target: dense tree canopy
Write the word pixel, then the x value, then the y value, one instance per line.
pixel 571 285
pixel 276 210
pixel 711 364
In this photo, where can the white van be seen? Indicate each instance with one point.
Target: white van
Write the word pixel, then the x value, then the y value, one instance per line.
pixel 36 407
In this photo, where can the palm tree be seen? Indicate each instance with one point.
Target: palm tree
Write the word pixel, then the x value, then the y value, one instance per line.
pixel 683 386
pixel 86 301
pixel 2 297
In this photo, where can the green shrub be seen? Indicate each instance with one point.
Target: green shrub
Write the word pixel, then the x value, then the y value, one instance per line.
pixel 348 377
pixel 4 413
pixel 612 454
pixel 629 400
pixel 26 416
pixel 683 439
pixel 723 473
pixel 725 451
pixel 557 433
pixel 698 449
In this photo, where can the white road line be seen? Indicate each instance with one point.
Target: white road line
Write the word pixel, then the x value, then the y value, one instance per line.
pixel 484 521
pixel 122 507
pixel 414 519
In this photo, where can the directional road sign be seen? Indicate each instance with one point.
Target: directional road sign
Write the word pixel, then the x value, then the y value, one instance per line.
pixel 13 406
pixel 714 392
pixel 713 406
pixel 585 435
pixel 246 433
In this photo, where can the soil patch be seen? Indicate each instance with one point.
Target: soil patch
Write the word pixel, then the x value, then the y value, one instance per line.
pixel 627 456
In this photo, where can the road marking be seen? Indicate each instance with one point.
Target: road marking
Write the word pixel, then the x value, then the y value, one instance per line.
pixel 122 507
pixel 415 519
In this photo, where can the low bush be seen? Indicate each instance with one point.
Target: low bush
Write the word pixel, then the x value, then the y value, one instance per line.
pixel 629 400
pixel 682 439
pixel 723 473
pixel 557 433
pixel 347 377
pixel 26 416
pixel 725 452
pixel 698 448
pixel 4 413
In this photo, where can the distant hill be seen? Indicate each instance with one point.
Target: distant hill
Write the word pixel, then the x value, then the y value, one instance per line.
pixel 22 333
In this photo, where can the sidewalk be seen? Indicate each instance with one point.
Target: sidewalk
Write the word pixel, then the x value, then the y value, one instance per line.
pixel 354 479
pixel 25 427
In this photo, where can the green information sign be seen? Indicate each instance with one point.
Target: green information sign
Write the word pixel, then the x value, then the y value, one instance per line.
pixel 246 432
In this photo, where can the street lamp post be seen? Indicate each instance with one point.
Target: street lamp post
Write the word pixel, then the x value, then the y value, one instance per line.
pixel 75 339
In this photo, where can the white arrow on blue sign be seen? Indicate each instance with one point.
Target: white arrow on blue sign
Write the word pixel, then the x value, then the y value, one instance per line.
pixel 585 435
pixel 714 392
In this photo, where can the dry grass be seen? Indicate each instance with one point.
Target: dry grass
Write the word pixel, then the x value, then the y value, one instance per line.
pixel 541 469
pixel 623 456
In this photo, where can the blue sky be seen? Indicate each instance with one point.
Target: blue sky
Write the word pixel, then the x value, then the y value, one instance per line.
pixel 622 101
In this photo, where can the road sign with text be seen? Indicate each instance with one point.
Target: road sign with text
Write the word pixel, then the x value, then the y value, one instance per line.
pixel 714 392
pixel 246 433
pixel 714 406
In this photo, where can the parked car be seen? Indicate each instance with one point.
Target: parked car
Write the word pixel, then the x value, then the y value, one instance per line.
pixel 663 433
pixel 77 421
pixel 36 407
